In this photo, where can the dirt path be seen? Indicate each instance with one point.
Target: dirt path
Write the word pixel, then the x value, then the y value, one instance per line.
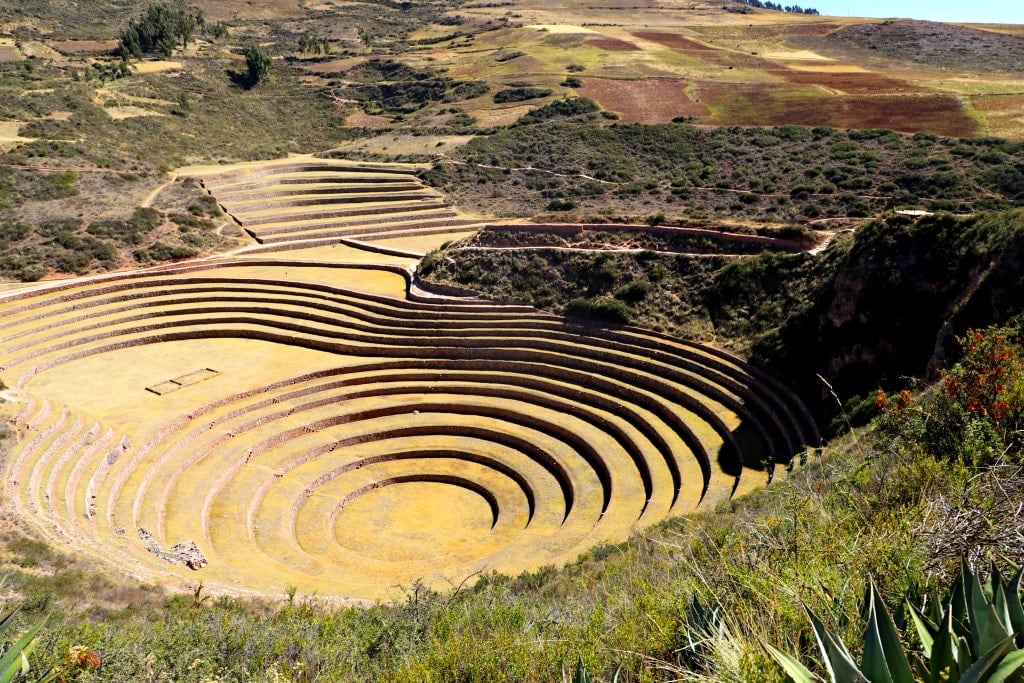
pixel 597 250
pixel 151 197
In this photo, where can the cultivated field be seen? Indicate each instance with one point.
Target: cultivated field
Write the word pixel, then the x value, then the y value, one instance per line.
pixel 296 201
pixel 310 417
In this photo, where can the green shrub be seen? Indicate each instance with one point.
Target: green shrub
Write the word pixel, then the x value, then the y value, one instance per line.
pixel 603 308
pixel 62 179
pixel 520 94
pixel 635 291
pixel 561 205
pixel 257 65
pixel 570 107
pixel 163 252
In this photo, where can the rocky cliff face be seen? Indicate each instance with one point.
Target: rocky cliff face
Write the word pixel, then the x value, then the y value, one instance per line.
pixel 896 300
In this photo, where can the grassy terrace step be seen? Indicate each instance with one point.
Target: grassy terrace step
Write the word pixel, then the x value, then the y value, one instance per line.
pixel 370 334
pixel 311 202
pixel 271 472
pixel 28 464
pixel 400 396
pixel 312 182
pixel 129 336
pixel 76 501
pixel 37 496
pixel 544 436
pixel 693 401
pixel 37 305
pixel 775 446
pixel 301 180
pixel 286 189
pixel 392 220
pixel 202 478
pixel 48 423
pixel 258 210
pixel 651 417
pixel 427 225
pixel 387 232
pixel 408 323
pixel 298 440
pixel 256 172
pixel 376 208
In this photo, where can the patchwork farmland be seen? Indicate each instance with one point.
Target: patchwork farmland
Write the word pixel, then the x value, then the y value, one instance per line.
pixel 303 413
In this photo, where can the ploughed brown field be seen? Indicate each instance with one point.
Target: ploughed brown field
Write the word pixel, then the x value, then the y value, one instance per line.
pixel 652 101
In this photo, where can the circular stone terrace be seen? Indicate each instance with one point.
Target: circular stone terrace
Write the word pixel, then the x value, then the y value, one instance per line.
pixel 303 414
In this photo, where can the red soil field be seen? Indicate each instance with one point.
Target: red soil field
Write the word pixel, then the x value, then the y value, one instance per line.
pixel 765 104
pixel 650 101
pixel 672 40
pixel 607 43
pixel 852 83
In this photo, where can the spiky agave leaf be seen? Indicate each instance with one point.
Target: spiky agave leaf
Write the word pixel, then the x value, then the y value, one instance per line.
pixel 15 660
pixel 1014 606
pixel 838 660
pixel 983 670
pixel 957 601
pixel 793 668
pixel 944 658
pixel 1011 668
pixel 975 641
pixel 926 629
pixel 883 659
pixel 581 675
pixel 987 631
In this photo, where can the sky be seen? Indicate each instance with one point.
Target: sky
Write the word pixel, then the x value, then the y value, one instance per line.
pixel 979 11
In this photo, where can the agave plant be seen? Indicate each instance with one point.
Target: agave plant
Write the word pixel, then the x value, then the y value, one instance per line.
pixel 14 660
pixel 582 676
pixel 704 624
pixel 975 637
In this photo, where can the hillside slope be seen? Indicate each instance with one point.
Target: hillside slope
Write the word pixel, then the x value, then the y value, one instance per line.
pixel 875 309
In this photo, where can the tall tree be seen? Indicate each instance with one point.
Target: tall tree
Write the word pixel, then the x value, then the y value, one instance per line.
pixel 257 61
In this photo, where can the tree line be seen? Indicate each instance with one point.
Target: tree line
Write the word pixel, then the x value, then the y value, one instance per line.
pixel 767 4
pixel 160 30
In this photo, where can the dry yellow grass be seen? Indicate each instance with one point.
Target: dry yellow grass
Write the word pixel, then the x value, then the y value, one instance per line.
pixel 129 112
pixel 156 66
pixel 9 52
pixel 9 134
pixel 561 28
pixel 423 243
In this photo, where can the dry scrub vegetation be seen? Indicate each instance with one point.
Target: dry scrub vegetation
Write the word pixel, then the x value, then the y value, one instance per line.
pixel 583 172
